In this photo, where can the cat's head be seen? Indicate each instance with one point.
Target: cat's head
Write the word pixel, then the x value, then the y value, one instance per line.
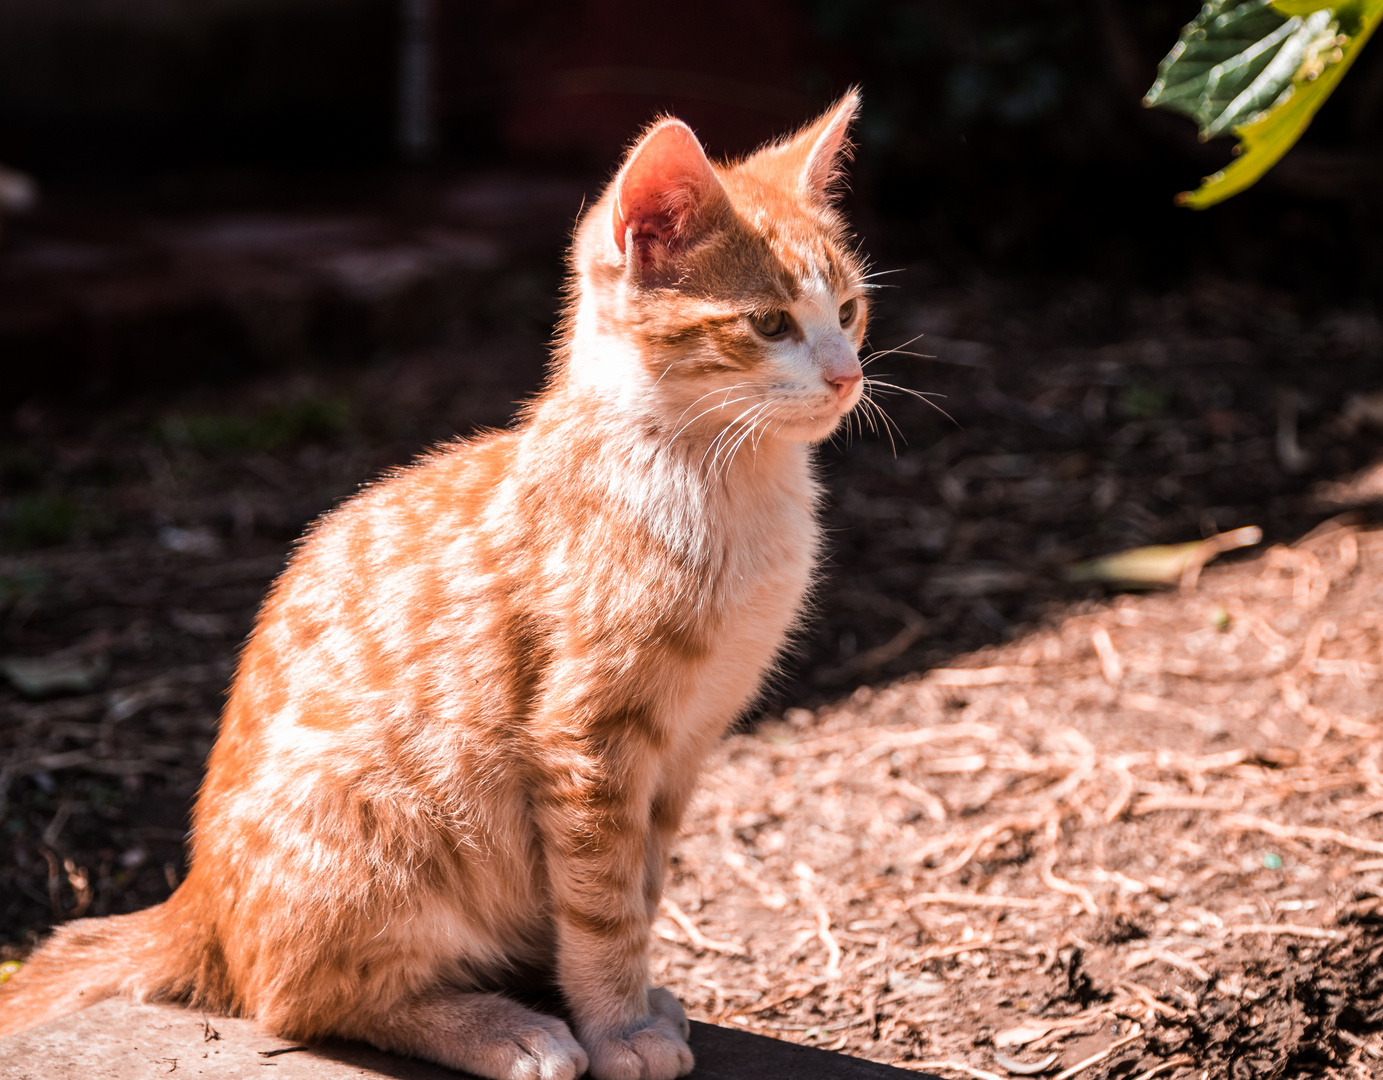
pixel 710 297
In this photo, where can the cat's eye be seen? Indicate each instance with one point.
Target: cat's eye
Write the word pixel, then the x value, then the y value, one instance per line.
pixel 771 323
pixel 847 312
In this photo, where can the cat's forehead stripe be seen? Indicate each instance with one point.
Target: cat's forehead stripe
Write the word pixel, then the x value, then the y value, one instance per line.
pixel 813 260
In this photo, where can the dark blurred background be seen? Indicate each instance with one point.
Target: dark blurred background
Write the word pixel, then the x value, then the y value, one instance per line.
pixel 998 138
pixel 1008 133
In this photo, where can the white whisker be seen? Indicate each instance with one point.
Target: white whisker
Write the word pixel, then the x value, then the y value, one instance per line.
pixel 713 408
pixel 749 429
pixel 725 434
pixel 893 388
pixel 889 424
pixel 897 352
pixel 873 385
pixel 721 390
pixel 896 349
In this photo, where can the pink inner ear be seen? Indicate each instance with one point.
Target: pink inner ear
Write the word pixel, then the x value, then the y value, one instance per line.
pixel 661 185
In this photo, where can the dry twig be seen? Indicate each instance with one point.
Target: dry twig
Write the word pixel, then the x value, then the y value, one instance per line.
pixel 699 940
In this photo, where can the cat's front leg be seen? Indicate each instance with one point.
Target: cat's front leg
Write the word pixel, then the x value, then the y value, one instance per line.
pixel 648 1043
pixel 598 846
pixel 651 1047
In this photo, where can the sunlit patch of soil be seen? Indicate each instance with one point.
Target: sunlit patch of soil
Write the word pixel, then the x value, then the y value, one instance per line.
pixel 1147 839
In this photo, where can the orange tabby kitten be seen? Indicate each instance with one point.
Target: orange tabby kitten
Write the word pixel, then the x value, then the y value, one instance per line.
pixel 474 706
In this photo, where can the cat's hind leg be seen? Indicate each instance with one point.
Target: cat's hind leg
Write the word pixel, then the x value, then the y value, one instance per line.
pixel 485 1034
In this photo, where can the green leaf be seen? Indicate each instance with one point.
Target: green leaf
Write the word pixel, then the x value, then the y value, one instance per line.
pixel 1236 60
pixel 1266 137
pixel 1305 7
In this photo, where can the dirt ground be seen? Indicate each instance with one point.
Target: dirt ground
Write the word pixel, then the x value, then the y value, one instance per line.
pixel 1146 834
pixel 989 814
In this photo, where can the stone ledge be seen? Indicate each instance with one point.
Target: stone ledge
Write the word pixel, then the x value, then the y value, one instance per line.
pixel 116 1040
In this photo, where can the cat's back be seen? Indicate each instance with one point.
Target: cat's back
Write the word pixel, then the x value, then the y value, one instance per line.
pixel 398 533
pixel 356 618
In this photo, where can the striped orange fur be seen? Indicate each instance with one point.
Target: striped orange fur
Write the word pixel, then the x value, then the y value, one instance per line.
pixel 464 731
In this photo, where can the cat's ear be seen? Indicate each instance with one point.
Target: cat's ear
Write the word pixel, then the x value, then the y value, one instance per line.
pixel 820 150
pixel 664 191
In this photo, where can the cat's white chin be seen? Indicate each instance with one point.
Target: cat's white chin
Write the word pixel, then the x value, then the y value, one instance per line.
pixel 812 429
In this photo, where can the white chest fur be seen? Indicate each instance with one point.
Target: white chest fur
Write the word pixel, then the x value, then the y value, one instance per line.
pixel 759 539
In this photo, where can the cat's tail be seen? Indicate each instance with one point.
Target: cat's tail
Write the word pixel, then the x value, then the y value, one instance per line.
pixel 149 955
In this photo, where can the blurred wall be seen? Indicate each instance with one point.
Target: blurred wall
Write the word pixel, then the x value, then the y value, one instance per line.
pixel 1008 133
pixel 137 84
pixel 576 80
pixel 96 85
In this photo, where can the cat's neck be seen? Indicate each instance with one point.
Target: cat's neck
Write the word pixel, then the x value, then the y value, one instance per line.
pixel 724 462
pixel 600 360
pixel 605 377
pixel 701 493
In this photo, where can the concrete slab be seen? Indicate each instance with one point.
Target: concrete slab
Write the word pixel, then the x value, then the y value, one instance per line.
pixel 116 1040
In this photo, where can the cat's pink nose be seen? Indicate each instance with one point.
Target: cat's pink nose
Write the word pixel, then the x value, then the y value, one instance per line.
pixel 845 381
pixel 840 366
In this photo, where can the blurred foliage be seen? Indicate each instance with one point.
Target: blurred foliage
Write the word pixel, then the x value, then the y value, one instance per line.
pixel 22 468
pixel 38 519
pixel 23 586
pixel 312 419
pixel 1140 402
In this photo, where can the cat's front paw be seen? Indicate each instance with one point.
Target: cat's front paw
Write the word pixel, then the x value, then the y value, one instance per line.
pixel 654 1049
pixel 662 1003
